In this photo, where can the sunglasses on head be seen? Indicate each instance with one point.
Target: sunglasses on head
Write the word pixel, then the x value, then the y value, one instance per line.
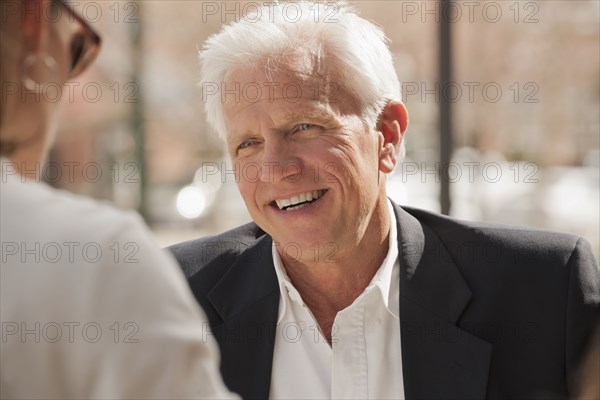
pixel 84 42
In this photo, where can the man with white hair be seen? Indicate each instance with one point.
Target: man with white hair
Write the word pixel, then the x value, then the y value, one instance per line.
pixel 337 292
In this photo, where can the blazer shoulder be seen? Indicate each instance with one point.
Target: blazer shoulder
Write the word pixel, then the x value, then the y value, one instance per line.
pixel 535 241
pixel 222 249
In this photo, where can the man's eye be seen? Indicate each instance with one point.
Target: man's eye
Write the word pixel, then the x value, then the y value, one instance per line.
pixel 304 127
pixel 246 143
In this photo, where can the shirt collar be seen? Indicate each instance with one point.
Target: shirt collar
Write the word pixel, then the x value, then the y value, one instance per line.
pixel 386 276
pixel 5 164
pixel 9 173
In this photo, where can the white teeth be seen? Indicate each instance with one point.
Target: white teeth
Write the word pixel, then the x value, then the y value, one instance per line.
pixel 296 207
pixel 299 199
pixel 282 203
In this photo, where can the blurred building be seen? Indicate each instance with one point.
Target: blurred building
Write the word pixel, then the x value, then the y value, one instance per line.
pixel 525 95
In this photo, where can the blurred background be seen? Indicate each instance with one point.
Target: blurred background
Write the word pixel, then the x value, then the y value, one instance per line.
pixel 517 85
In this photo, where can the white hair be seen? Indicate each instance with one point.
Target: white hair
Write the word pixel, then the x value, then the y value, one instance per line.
pixel 359 48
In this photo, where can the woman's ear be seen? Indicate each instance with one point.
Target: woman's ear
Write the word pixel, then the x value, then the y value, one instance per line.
pixel 392 123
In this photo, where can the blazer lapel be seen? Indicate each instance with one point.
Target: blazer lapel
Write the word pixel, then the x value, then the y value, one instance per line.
pixel 439 360
pixel 247 300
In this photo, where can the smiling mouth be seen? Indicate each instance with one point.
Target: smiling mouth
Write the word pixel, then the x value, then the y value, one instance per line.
pixel 299 201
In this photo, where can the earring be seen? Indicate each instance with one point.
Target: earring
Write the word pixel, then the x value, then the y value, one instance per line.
pixel 29 62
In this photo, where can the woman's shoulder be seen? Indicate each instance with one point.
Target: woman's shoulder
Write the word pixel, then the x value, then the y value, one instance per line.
pixel 38 210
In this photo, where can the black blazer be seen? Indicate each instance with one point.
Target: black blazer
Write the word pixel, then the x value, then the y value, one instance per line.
pixel 486 311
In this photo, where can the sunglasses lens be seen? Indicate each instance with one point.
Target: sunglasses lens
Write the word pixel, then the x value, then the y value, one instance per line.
pixel 84 42
pixel 77 50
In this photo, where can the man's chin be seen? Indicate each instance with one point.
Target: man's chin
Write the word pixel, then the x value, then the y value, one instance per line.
pixel 307 250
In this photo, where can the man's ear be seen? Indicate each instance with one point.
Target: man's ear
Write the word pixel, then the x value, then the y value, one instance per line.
pixel 392 124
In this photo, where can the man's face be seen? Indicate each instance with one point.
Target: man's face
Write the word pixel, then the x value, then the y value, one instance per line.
pixel 306 165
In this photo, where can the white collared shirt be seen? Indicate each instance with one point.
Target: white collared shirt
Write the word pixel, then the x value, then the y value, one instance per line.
pixel 364 360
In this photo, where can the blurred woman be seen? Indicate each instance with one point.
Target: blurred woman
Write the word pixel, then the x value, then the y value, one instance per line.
pixel 90 307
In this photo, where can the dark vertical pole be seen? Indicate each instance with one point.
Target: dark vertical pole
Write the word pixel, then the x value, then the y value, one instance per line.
pixel 445 77
pixel 137 119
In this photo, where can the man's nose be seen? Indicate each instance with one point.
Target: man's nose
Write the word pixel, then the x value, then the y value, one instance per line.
pixel 279 162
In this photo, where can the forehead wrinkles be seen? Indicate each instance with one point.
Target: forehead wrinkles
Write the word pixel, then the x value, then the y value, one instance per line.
pixel 314 112
pixel 307 70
